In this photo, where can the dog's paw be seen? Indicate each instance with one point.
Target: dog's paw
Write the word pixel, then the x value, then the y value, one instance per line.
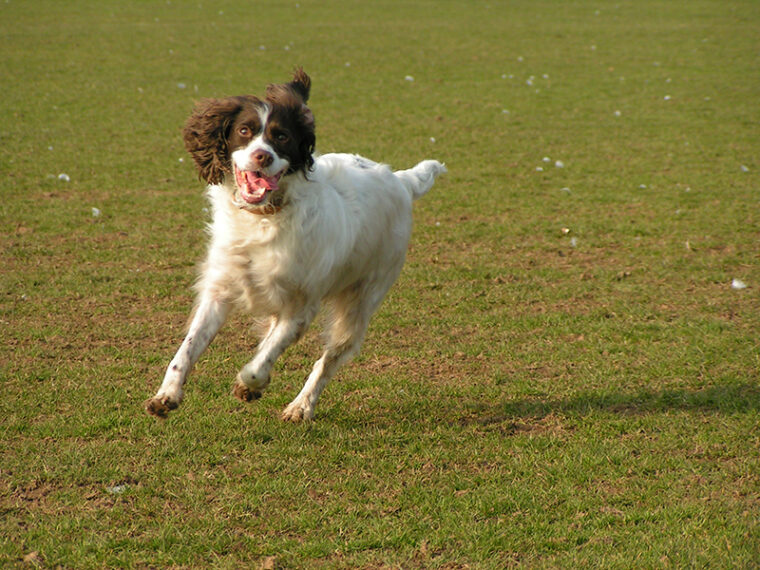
pixel 297 412
pixel 160 406
pixel 244 393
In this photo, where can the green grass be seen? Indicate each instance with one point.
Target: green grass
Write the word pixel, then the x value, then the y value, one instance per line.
pixel 563 376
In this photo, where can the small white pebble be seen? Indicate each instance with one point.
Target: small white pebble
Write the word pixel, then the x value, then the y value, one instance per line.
pixel 546 159
pixel 64 177
pixel 181 85
pixel 408 78
pixel 559 164
pixel 667 97
pixel 95 212
pixel 642 186
pixel 573 242
pixel 432 139
pixel 565 189
pixel 744 168
pixel 618 113
pixel 539 168
pixel 738 284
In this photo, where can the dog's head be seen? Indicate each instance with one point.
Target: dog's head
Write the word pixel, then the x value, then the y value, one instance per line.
pixel 254 144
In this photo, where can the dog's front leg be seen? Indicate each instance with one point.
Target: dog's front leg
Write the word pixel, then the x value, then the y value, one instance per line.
pixel 208 319
pixel 283 331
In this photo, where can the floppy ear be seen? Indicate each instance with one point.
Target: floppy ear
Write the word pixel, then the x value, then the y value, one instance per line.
pixel 301 83
pixel 293 96
pixel 298 88
pixel 306 147
pixel 206 133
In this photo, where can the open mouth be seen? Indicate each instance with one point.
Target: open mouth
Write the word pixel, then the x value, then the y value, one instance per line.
pixel 253 185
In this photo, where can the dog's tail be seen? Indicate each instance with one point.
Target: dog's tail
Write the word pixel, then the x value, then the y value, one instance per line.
pixel 419 180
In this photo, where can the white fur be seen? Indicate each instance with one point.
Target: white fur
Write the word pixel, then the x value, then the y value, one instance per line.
pixel 341 239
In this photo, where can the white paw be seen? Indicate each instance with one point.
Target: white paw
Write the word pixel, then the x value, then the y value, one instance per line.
pixel 248 386
pixel 298 412
pixel 256 380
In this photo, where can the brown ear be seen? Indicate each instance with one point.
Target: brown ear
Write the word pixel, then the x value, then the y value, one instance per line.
pixel 206 134
pixel 299 87
pixel 301 83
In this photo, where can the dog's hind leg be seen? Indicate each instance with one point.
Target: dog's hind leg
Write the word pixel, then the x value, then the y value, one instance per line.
pixel 283 331
pixel 302 407
pixel 349 318
pixel 208 319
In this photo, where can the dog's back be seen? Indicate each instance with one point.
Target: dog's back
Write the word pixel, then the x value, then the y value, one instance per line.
pixel 348 218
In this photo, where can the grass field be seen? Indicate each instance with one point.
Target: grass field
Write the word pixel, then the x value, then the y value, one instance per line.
pixel 564 375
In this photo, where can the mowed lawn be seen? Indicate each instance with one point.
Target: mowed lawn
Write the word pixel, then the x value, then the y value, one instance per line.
pixel 566 374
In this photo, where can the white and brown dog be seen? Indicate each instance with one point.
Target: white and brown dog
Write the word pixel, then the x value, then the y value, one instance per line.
pixel 290 230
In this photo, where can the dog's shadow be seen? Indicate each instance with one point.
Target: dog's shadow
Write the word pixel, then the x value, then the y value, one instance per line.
pixel 537 414
pixel 518 415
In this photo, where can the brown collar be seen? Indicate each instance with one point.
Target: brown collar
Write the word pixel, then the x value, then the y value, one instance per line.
pixel 268 210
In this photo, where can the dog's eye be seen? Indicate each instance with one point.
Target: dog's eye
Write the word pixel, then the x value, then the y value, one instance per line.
pixel 244 132
pixel 282 137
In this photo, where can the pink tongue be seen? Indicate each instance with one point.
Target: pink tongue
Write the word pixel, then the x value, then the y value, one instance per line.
pixel 265 182
pixel 253 188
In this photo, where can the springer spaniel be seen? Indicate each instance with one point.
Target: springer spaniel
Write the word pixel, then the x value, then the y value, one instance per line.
pixel 290 230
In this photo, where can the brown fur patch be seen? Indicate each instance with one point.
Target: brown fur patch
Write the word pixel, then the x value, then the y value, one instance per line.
pixel 244 393
pixel 156 407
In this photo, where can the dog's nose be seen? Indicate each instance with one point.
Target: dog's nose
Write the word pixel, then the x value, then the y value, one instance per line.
pixel 262 158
